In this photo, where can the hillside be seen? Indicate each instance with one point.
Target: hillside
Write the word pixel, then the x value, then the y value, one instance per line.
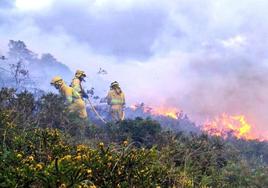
pixel 21 68
pixel 42 145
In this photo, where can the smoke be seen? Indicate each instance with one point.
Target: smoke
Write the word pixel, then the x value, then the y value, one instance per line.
pixel 204 57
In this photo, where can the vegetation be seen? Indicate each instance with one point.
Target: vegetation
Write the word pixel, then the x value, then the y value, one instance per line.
pixel 43 145
pixel 22 68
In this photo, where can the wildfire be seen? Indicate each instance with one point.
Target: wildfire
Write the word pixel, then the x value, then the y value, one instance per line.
pixel 225 125
pixel 163 111
pixel 158 111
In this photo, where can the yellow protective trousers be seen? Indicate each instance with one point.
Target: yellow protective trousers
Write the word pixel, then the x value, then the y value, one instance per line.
pixel 116 112
pixel 79 106
pixel 76 103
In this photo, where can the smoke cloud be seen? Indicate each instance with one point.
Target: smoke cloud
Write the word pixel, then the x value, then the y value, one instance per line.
pixel 204 57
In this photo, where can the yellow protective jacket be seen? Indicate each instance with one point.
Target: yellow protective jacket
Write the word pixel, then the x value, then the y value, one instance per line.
pixel 114 98
pixel 76 102
pixel 76 85
pixel 116 102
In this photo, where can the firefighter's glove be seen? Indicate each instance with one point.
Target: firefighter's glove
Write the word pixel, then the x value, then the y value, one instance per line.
pixel 85 96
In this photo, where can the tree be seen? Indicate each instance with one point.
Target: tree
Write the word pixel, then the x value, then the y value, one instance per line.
pixel 19 51
pixel 19 73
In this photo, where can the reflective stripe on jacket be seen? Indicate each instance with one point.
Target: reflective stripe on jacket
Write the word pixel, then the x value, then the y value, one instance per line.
pixel 76 85
pixel 69 93
pixel 114 98
pixel 117 101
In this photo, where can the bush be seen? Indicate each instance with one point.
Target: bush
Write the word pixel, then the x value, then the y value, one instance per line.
pixel 43 145
pixel 43 158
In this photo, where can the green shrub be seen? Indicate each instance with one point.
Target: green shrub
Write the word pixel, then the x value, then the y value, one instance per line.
pixel 43 145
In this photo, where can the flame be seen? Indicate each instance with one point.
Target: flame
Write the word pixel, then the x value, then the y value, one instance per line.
pixel 164 111
pixel 171 112
pixel 224 125
pixel 236 125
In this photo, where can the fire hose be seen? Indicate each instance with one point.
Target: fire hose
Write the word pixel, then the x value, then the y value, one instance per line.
pixel 95 111
pixel 123 117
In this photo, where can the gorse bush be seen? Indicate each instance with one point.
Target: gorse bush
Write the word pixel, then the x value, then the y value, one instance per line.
pixel 42 158
pixel 43 145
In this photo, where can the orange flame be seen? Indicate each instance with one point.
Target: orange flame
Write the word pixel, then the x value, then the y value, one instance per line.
pixel 236 125
pixel 223 125
pixel 158 111
pixel 164 111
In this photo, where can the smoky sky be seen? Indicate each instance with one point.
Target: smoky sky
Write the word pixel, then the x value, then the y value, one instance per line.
pixel 204 57
pixel 127 34
pixel 6 3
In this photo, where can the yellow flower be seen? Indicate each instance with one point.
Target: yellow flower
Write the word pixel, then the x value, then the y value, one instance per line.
pixel 19 155
pixel 81 147
pixel 56 133
pixel 92 186
pixel 78 157
pixel 125 143
pixel 30 158
pixel 101 144
pixel 67 157
pixel 63 186
pixel 89 171
pixel 39 166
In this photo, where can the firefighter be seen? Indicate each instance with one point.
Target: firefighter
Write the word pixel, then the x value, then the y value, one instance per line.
pixel 116 101
pixel 73 97
pixel 77 83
